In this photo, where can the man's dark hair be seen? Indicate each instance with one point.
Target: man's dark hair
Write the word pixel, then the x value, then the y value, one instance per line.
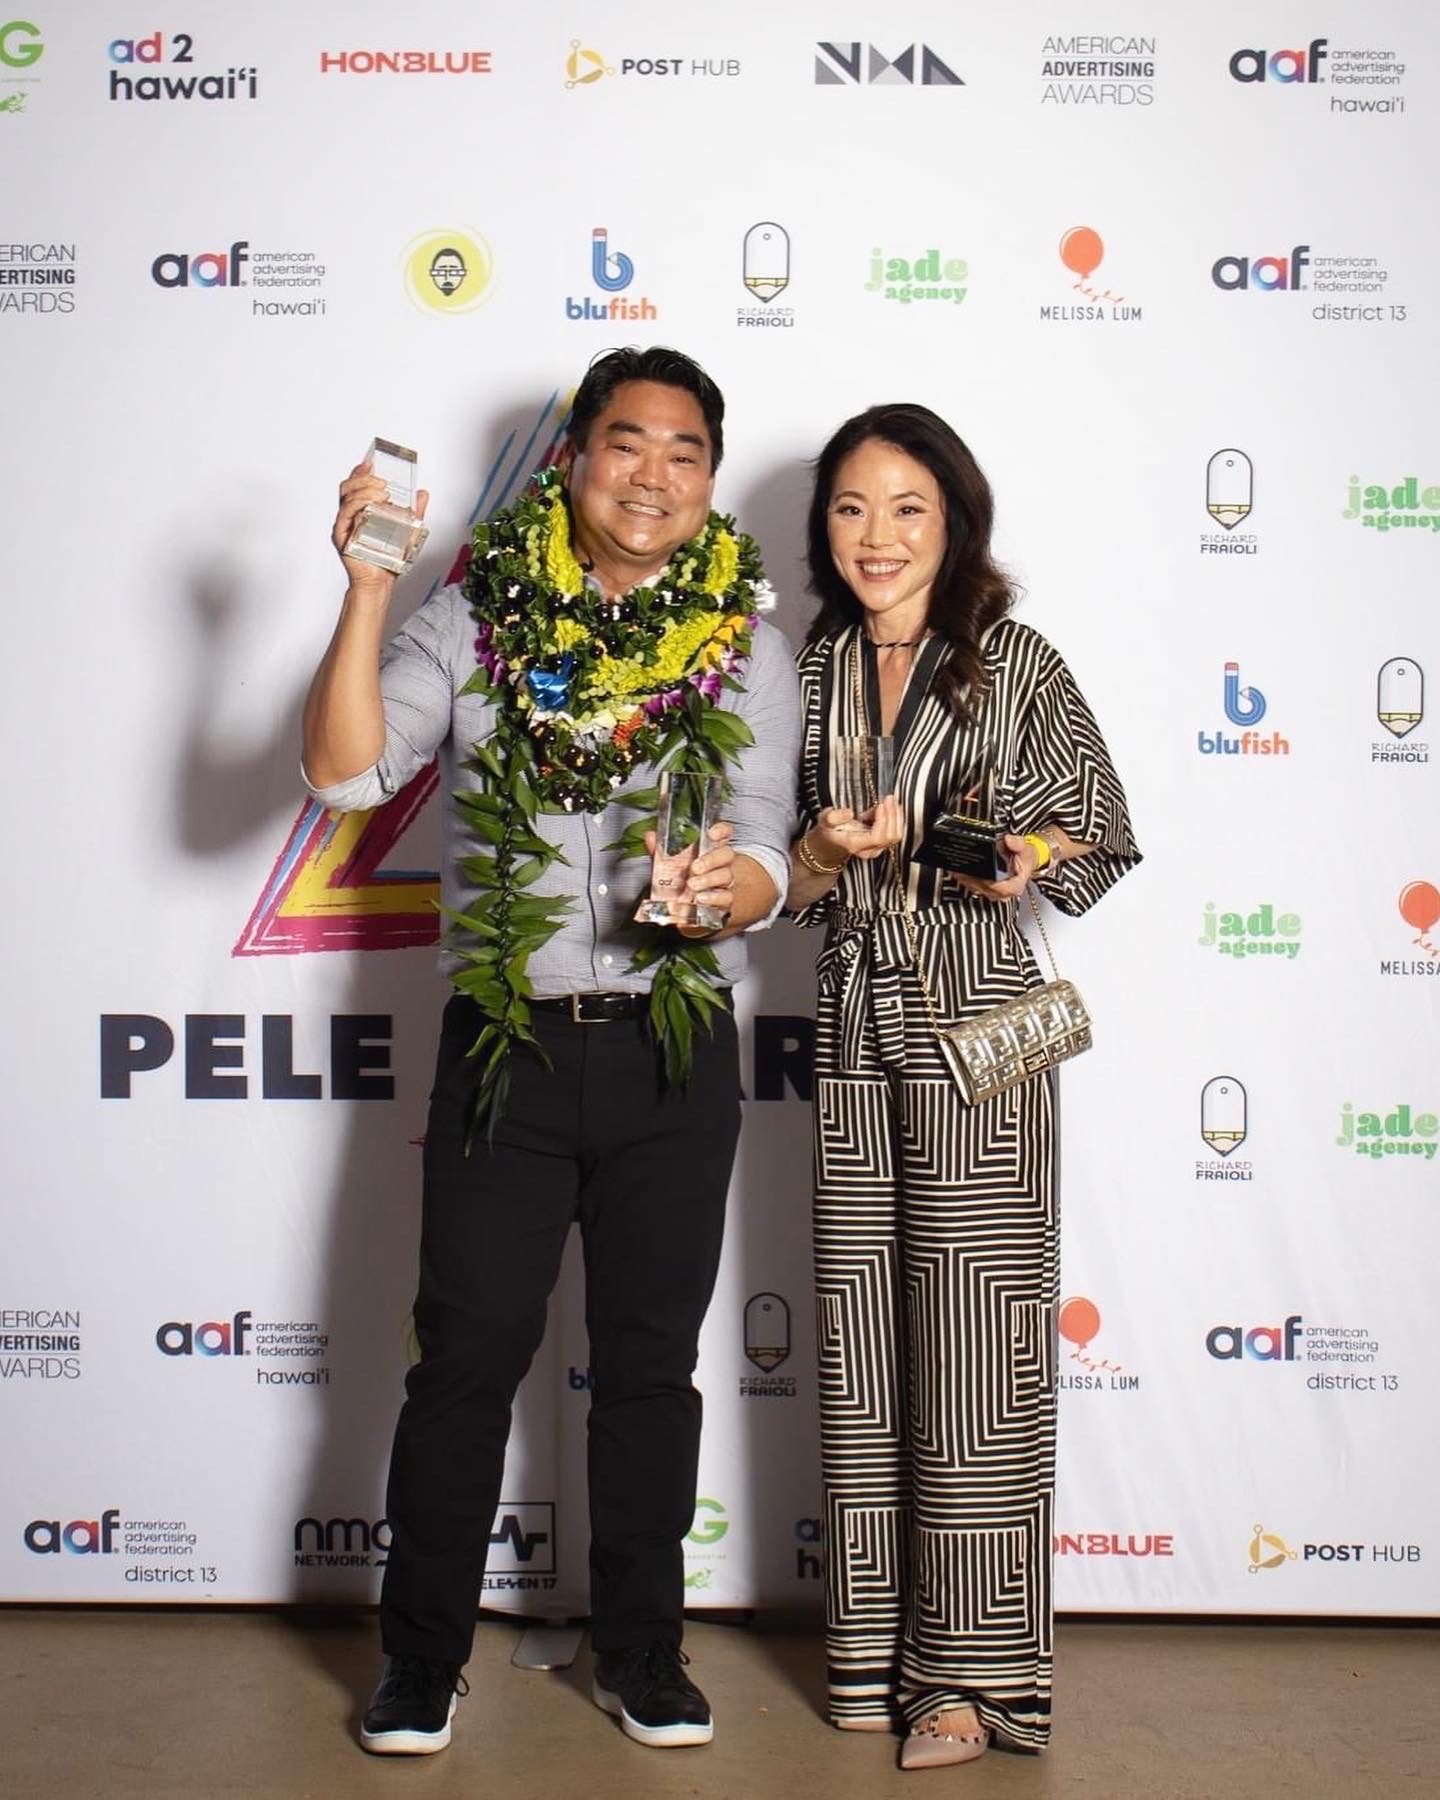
pixel 656 363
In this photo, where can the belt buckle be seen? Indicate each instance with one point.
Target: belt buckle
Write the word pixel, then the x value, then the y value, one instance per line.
pixel 580 1016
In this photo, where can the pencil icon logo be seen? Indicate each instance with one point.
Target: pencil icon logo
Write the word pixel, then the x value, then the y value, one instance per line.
pixel 767 1330
pixel 1243 706
pixel 1224 1114
pixel 1400 695
pixel 1229 487
pixel 765 261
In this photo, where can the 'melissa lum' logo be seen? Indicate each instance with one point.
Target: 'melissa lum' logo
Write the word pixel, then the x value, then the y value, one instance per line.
pixel 1078 1322
pixel 1263 932
pixel 1245 707
pixel 612 271
pixel 1082 250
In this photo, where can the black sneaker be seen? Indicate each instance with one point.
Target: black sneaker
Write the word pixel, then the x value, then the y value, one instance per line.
pixel 648 1691
pixel 410 1712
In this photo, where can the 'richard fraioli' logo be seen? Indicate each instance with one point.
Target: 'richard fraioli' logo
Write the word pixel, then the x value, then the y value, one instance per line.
pixel 767 1345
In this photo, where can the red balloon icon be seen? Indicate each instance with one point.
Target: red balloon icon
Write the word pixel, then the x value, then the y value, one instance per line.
pixel 1082 251
pixel 1420 904
pixel 1079 1321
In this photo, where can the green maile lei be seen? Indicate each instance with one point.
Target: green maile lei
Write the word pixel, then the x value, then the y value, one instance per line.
pixel 586 689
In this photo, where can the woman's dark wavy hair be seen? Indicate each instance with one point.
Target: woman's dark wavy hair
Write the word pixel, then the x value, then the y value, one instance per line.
pixel 970 592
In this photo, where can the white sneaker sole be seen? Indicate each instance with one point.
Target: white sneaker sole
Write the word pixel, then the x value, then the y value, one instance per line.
pixel 407 1743
pixel 658 1737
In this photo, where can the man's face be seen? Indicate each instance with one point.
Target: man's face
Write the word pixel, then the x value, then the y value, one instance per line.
pixel 448 271
pixel 641 486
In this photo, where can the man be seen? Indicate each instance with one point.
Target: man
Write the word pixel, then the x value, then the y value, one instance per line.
pixel 599 1136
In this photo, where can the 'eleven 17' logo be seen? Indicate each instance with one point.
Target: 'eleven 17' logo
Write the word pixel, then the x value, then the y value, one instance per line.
pixel 332 887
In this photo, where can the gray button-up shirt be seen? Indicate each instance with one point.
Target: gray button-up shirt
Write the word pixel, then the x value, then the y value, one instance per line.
pixel 422 671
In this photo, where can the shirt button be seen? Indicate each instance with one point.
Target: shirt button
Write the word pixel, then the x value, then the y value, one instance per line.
pixel 607 960
pixel 602 889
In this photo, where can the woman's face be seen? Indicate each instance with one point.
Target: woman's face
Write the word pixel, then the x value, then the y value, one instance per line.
pixel 887 533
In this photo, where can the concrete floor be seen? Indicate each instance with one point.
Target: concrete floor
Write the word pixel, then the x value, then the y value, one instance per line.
pixel 120 1703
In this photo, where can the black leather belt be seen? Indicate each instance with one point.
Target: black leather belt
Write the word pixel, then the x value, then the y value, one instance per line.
pixel 596 1009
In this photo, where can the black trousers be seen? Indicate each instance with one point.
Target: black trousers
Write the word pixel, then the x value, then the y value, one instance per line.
pixel 645 1171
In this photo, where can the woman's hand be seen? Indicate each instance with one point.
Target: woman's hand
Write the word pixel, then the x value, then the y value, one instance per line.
pixel 1024 860
pixel 840 834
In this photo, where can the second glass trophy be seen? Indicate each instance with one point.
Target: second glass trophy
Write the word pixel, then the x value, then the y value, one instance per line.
pixel 688 806
pixel 388 534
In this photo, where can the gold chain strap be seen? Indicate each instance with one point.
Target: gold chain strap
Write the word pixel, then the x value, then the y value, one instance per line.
pixel 902 885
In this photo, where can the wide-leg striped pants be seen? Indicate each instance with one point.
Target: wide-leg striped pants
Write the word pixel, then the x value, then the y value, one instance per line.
pixel 937 1268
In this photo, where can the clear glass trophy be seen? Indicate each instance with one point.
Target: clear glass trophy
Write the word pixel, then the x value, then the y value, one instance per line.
pixel 862 773
pixel 688 806
pixel 388 534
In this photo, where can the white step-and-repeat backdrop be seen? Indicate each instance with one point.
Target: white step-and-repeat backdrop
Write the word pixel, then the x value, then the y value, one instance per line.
pixel 1172 273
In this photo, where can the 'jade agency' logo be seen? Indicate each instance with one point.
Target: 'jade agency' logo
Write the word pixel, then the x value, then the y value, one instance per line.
pixel 1400 1132
pixel 1404 507
pixel 1263 932
pixel 450 270
pixel 921 278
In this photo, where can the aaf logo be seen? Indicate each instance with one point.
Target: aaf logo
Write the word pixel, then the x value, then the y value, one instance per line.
pixel 1261 1343
pixel 862 65
pixel 215 1337
pixel 1287 67
pixel 1224 1126
pixel 202 268
pixel 522 1538
pixel 765 260
pixel 612 271
pixel 1268 274
pixel 1268 1551
pixel 449 270
pixel 1244 706
pixel 330 887
pixel 82 1537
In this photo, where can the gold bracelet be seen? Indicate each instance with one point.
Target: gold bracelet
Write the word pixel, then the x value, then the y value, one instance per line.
pixel 1044 850
pixel 811 861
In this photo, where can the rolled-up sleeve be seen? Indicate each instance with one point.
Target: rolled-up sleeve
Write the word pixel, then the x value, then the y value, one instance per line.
pixel 762 805
pixel 418 685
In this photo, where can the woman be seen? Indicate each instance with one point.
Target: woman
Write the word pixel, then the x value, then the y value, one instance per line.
pixel 935 1220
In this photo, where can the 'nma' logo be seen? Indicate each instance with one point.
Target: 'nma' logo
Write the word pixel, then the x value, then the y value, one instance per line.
pixel 862 65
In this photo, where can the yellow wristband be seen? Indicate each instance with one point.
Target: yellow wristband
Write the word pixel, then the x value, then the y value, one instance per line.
pixel 1044 855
